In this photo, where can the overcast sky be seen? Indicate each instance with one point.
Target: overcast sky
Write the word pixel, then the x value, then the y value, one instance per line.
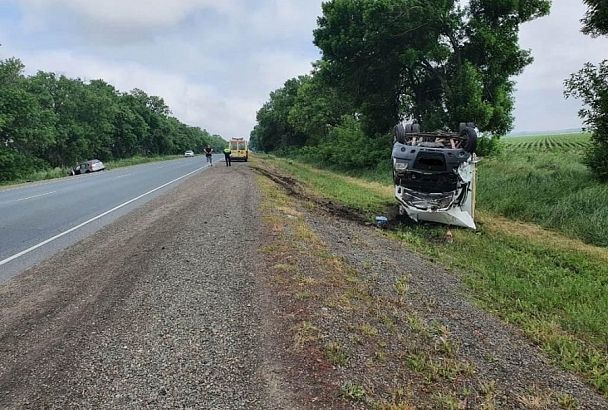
pixel 215 62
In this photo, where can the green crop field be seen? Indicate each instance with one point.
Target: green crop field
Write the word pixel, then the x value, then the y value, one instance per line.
pixel 548 143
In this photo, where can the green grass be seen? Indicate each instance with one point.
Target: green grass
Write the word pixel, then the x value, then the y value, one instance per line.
pixel 62 172
pixel 127 162
pixel 331 184
pixel 547 186
pixel 551 287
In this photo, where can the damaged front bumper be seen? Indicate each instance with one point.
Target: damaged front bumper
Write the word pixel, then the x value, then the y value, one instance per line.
pixel 444 194
pixel 440 209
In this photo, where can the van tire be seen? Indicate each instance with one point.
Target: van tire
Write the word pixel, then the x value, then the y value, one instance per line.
pixel 469 135
pixel 400 132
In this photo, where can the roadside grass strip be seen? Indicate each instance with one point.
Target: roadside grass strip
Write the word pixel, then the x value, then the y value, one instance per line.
pixel 61 172
pixel 551 286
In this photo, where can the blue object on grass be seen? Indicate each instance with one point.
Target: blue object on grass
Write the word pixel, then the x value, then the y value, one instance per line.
pixel 381 221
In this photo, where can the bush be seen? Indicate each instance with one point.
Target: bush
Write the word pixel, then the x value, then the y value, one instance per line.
pixel 347 147
pixel 489 146
pixel 597 156
pixel 14 165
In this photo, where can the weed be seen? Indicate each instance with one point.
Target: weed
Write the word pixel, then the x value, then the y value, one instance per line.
pixel 567 402
pixel 285 268
pixel 448 402
pixel 306 333
pixel 368 330
pixel 354 392
pixel 303 295
pixel 416 324
pixel 380 356
pixel 337 354
pixel 401 285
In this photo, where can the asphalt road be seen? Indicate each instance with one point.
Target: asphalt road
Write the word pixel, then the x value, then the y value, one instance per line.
pixel 39 219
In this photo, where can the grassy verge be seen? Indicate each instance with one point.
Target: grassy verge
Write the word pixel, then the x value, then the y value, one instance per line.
pixel 553 287
pixel 553 189
pixel 62 172
pixel 539 179
pixel 127 162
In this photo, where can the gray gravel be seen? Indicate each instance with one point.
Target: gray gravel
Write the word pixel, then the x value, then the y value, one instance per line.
pixel 158 310
pixel 499 351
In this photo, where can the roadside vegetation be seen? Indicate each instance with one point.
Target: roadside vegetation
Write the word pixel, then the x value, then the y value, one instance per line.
pixel 59 172
pixel 539 179
pixel 49 123
pixel 439 63
pixel 549 285
pixel 590 85
pixel 544 180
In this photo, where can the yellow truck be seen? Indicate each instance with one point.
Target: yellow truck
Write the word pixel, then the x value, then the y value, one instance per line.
pixel 239 150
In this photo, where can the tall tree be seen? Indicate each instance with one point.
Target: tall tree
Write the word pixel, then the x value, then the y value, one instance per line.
pixel 49 120
pixel 317 108
pixel 595 22
pixel 432 60
pixel 274 130
pixel 591 86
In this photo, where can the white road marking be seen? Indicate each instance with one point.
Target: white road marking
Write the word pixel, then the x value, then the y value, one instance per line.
pixel 28 250
pixel 34 196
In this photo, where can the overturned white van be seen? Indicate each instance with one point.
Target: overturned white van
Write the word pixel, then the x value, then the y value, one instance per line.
pixel 435 174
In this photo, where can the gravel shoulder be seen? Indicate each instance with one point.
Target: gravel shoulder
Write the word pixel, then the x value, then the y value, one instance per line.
pixel 160 309
pixel 388 329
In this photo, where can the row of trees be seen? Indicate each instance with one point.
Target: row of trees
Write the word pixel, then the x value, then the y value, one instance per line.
pixel 434 61
pixel 591 85
pixel 48 120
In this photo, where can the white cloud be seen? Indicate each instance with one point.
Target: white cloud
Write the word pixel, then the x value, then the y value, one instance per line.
pixel 214 62
pixel 192 102
pixel 132 14
pixel 559 49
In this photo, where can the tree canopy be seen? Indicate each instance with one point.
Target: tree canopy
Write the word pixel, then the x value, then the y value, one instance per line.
pixel 591 86
pixel 431 60
pixel 434 61
pixel 595 22
pixel 48 120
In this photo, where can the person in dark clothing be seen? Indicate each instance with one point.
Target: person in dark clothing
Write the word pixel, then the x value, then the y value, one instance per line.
pixel 227 153
pixel 209 154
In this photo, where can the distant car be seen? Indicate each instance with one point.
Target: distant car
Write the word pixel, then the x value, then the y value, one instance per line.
pixel 93 165
pixel 189 154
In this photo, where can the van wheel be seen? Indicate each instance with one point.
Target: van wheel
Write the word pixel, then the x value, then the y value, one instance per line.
pixel 399 132
pixel 469 135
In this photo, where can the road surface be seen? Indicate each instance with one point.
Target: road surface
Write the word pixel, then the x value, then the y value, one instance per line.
pixel 156 310
pixel 67 210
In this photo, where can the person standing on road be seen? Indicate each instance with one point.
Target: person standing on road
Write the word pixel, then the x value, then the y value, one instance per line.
pixel 209 154
pixel 227 153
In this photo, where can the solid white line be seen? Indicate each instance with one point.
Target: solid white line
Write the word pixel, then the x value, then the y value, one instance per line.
pixel 28 250
pixel 35 196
